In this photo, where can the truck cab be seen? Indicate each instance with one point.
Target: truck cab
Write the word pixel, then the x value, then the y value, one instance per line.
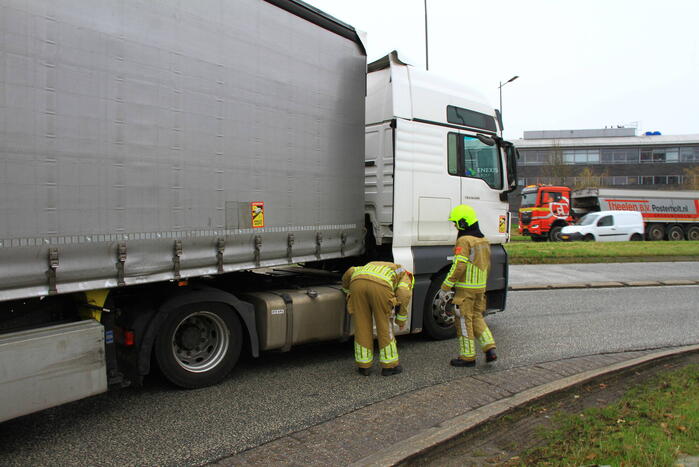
pixel 432 144
pixel 544 210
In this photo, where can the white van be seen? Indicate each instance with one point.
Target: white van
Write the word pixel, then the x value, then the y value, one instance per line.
pixel 606 226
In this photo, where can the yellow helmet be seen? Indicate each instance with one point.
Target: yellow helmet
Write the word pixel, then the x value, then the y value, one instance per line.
pixel 463 215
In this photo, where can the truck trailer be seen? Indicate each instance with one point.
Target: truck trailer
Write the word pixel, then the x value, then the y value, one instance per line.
pixel 182 182
pixel 545 210
pixel 671 215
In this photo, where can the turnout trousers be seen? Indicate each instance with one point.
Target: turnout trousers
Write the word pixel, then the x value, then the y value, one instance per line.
pixel 367 300
pixel 470 325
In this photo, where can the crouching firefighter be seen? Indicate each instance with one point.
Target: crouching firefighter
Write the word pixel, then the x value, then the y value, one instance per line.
pixel 468 276
pixel 375 290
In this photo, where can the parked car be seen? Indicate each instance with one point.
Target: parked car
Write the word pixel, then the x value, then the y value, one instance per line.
pixel 606 226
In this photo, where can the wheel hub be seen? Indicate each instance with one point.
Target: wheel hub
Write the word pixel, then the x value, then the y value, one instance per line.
pixel 189 337
pixel 200 342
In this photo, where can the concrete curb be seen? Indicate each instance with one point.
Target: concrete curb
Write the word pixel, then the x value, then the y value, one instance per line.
pixel 456 426
pixel 600 285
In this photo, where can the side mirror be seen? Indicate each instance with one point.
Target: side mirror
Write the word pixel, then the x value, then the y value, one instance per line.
pixel 511 156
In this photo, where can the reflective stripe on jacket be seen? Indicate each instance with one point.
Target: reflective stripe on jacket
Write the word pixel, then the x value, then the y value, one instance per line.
pixel 469 272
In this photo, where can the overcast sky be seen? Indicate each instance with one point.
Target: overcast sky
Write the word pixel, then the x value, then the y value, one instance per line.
pixel 581 64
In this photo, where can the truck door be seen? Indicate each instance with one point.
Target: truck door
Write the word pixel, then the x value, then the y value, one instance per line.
pixel 480 167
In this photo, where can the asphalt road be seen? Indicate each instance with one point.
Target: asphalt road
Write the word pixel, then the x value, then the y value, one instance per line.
pixel 281 393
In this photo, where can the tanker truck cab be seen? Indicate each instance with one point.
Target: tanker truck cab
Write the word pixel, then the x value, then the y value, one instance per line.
pixel 432 144
pixel 606 226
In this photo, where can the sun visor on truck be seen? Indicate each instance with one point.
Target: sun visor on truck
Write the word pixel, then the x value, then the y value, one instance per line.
pixel 320 18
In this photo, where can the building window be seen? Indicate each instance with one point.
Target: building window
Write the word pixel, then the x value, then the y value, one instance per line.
pixel 689 154
pixel 619 180
pixel 660 180
pixel 646 180
pixel 673 179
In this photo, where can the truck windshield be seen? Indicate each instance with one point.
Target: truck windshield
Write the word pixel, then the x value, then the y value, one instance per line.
pixel 588 219
pixel 470 157
pixel 528 199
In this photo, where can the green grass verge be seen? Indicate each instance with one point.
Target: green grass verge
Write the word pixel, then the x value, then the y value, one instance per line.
pixel 608 252
pixel 652 425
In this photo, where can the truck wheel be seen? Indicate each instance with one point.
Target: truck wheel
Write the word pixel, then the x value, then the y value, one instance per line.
pixel 199 344
pixel 555 233
pixel 675 233
pixel 656 232
pixel 693 233
pixel 589 238
pixel 438 316
pixel 636 237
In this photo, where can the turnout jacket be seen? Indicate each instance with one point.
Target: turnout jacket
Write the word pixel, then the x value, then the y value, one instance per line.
pixel 393 276
pixel 469 269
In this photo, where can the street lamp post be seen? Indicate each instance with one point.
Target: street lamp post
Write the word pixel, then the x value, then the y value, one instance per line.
pixel 427 49
pixel 501 85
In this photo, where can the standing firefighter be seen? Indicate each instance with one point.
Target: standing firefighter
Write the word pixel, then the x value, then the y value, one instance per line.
pixel 376 289
pixel 468 275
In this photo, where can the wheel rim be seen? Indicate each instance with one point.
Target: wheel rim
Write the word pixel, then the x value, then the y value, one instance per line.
pixel 675 235
pixel 693 234
pixel 556 234
pixel 656 233
pixel 200 342
pixel 443 310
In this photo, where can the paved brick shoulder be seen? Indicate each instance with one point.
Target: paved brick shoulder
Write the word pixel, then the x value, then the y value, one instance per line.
pixel 377 427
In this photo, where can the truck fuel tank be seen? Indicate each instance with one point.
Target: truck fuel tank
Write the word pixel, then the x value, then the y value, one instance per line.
pixel 289 317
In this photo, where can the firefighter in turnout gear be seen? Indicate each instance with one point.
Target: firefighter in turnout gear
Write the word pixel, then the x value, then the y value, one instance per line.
pixel 376 289
pixel 468 276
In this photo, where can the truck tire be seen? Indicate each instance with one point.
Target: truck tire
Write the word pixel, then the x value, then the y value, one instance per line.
pixel 199 344
pixel 438 317
pixel 555 233
pixel 693 233
pixel 656 232
pixel 675 233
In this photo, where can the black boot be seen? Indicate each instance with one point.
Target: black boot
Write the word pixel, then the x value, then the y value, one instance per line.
pixel 391 371
pixel 462 362
pixel 364 371
pixel 490 355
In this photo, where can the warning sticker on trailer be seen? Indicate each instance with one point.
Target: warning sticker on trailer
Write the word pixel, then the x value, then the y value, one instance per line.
pixel 257 210
pixel 502 225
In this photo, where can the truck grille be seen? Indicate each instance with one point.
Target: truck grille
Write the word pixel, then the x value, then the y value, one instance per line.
pixel 525 217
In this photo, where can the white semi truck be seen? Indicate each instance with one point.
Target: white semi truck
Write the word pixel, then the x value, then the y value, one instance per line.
pixel 182 181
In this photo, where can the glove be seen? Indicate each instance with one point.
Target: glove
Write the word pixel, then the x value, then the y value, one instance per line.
pixel 443 295
pixel 400 322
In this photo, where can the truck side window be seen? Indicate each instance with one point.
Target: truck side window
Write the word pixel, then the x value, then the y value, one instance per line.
pixel 469 157
pixel 453 153
pixel 606 221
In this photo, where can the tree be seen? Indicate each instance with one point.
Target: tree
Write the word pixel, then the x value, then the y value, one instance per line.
pixel 555 167
pixel 587 178
pixel 691 178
